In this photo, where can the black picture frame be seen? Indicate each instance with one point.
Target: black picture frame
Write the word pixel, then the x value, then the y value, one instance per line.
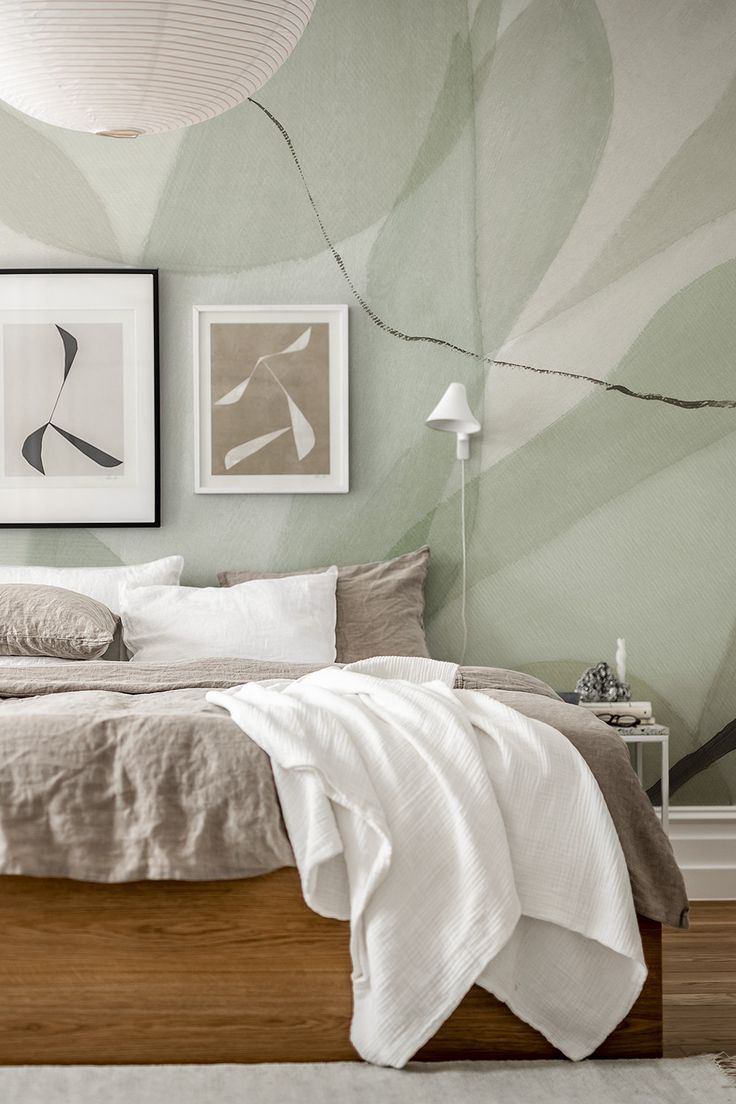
pixel 155 520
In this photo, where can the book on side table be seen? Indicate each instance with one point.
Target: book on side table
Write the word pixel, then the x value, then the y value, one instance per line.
pixel 622 712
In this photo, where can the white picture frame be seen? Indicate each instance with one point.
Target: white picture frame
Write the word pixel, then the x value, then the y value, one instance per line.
pixel 271 399
pixel 79 398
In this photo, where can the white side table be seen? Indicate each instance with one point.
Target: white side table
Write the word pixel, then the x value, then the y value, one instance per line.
pixel 652 734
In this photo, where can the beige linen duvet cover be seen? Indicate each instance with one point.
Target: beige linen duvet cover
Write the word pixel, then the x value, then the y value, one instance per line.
pixel 117 772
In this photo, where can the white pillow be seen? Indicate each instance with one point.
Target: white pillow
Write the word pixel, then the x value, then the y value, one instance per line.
pixel 102 583
pixel 290 619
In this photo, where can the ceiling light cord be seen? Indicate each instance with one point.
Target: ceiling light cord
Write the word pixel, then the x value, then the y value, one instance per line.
pixel 606 385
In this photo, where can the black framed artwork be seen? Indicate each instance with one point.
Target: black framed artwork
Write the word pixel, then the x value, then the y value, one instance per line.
pixel 79 398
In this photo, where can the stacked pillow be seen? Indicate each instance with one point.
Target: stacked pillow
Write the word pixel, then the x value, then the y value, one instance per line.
pixel 311 617
pixel 290 620
pixel 303 617
pixel 101 583
pixel 380 606
pixel 49 621
pixel 54 614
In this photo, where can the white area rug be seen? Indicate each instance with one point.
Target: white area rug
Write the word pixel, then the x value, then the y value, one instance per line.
pixel 667 1081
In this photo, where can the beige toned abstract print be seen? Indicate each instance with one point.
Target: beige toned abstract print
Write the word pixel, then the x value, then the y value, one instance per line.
pixel 279 422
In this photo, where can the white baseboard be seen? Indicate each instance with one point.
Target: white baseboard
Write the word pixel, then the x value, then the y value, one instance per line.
pixel 704 841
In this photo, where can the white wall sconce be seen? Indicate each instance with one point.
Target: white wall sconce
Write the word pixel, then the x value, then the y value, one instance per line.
pixel 453 415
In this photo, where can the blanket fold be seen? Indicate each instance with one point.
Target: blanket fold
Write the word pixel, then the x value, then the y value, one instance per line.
pixel 464 841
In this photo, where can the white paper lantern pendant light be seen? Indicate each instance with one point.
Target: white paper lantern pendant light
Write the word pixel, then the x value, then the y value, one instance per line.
pixel 121 68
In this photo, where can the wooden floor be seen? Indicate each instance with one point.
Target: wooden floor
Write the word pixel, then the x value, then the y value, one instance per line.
pixel 699 972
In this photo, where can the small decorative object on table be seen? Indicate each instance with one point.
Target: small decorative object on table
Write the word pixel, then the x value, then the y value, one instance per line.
pixel 599 684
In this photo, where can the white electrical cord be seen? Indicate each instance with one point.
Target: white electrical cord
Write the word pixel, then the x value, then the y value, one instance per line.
pixel 463 611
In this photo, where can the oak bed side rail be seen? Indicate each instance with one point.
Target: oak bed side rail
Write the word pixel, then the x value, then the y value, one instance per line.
pixel 229 971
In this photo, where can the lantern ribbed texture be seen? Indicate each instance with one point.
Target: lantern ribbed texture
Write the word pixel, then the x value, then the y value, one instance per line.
pixel 141 66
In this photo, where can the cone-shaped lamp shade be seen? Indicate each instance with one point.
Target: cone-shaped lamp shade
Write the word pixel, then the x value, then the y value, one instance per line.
pixel 141 66
pixel 453 415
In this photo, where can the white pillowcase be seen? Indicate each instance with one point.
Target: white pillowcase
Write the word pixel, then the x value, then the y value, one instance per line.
pixel 290 619
pixel 102 583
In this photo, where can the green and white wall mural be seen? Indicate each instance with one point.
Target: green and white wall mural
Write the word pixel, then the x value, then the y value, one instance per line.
pixel 548 182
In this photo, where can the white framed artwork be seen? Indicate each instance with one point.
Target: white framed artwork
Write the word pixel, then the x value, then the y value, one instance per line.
pixel 79 398
pixel 271 399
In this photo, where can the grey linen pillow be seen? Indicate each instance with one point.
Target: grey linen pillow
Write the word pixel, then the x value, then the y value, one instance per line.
pixel 380 606
pixel 38 620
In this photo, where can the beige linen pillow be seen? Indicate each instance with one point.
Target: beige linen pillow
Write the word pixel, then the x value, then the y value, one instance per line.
pixel 380 606
pixel 38 620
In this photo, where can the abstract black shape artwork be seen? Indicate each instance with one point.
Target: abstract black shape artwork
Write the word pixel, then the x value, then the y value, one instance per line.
pixel 32 448
pixel 79 398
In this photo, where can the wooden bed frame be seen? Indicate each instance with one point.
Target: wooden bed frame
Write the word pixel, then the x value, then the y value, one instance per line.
pixel 238 971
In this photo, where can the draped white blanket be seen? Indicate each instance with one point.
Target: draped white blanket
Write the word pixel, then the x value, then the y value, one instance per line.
pixel 465 843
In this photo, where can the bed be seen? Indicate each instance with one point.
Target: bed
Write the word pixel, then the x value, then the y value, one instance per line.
pixel 150 910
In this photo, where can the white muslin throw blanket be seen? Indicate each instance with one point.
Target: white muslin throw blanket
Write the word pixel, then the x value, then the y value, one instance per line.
pixel 464 842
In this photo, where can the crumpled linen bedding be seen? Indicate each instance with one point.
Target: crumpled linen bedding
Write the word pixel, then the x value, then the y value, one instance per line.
pixel 117 772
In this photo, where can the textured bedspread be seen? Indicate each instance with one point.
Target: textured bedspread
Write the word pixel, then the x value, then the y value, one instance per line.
pixel 119 772
pixel 465 843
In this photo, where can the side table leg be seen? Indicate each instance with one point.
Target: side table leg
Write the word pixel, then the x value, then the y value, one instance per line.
pixel 666 784
pixel 639 758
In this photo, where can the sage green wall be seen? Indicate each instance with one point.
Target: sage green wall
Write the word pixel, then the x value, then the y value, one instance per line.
pixel 546 180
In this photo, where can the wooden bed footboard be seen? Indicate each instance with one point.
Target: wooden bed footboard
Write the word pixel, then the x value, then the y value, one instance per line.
pixel 238 971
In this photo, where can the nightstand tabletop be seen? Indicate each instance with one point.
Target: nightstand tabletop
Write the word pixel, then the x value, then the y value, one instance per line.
pixel 644 734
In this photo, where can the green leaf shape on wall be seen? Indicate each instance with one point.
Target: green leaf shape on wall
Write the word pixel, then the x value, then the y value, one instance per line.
pixel 655 564
pixel 56 547
pixel 466 73
pixel 356 115
pixel 694 188
pixel 44 196
pixel 428 220
pixel 412 235
pixel 534 171
pixel 542 120
pixel 425 222
pixel 608 443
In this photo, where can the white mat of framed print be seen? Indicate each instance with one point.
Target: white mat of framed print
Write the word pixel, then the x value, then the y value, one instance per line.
pixel 78 398
pixel 271 399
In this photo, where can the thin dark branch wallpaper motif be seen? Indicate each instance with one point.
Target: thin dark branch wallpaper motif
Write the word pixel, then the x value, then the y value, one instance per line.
pixel 33 445
pixel 684 404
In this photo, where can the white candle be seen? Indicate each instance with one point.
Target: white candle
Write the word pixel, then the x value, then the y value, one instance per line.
pixel 621 659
